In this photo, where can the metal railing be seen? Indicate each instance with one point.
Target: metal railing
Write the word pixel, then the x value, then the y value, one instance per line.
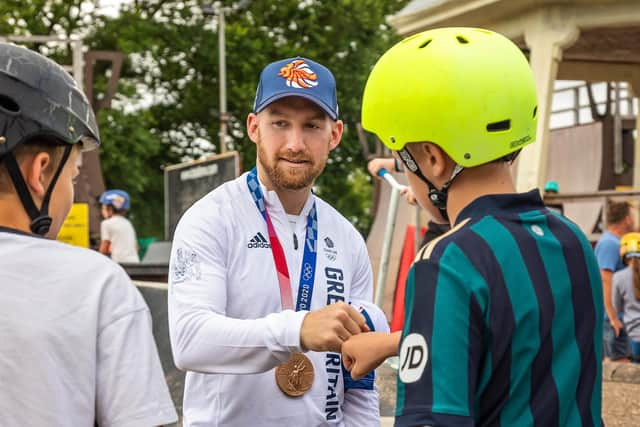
pixel 582 98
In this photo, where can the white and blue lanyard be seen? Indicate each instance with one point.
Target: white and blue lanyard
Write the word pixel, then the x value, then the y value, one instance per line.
pixel 308 270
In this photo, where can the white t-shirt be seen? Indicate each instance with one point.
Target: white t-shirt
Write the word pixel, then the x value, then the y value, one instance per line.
pixel 119 231
pixel 76 343
pixel 226 321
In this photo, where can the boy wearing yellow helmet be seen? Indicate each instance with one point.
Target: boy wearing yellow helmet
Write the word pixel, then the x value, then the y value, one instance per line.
pixel 504 312
pixel 626 290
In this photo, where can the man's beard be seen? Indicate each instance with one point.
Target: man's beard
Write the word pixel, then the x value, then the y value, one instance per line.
pixel 289 178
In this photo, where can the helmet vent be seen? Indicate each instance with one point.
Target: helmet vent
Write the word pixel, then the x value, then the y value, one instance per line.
pixel 423 45
pixel 535 111
pixel 499 126
pixel 9 105
pixel 462 40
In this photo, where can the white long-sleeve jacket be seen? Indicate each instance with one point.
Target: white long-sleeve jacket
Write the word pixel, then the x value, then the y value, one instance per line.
pixel 227 326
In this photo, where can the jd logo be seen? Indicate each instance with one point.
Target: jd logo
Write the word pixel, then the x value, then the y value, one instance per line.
pixel 413 358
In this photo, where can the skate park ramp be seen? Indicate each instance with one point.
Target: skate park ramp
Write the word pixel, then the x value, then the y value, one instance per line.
pixel 575 159
pixel 406 215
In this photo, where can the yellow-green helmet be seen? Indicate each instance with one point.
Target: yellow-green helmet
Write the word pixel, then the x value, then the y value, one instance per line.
pixel 468 90
pixel 630 245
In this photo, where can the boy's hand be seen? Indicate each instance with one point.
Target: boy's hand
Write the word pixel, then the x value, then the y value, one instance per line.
pixel 378 163
pixel 363 353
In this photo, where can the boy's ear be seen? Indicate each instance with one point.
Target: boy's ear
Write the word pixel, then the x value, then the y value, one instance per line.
pixel 34 170
pixel 434 158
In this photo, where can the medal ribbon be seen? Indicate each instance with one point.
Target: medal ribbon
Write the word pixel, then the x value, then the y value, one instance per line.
pixel 308 270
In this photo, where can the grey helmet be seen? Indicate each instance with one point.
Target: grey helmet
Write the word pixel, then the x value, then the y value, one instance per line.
pixel 38 98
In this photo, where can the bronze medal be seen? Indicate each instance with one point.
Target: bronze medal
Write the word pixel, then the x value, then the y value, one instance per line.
pixel 296 376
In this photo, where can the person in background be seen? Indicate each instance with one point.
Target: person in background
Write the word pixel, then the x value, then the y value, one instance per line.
pixel 620 221
pixel 117 235
pixel 390 164
pixel 551 188
pixel 436 226
pixel 626 291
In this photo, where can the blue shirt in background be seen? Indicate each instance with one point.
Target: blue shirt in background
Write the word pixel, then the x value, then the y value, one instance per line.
pixel 608 252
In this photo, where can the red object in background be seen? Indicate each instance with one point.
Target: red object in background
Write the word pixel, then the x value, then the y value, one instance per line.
pixel 408 254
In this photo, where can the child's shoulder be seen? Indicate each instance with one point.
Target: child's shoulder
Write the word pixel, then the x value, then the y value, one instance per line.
pixel 437 247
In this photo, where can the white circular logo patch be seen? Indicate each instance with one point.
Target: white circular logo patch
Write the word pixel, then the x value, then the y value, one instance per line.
pixel 536 229
pixel 414 354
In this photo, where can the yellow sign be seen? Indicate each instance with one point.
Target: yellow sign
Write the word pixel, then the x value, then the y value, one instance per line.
pixel 75 229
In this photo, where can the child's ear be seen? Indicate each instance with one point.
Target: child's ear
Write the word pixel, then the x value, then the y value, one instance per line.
pixel 34 170
pixel 438 159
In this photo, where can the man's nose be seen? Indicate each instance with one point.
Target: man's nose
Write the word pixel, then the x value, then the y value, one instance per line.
pixel 295 139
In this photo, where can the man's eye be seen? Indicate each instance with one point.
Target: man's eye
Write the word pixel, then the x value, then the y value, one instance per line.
pixel 280 123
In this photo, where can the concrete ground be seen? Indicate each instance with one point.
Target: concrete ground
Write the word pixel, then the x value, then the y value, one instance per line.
pixel 620 394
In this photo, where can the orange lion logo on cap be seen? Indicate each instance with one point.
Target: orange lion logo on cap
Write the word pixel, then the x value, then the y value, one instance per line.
pixel 299 75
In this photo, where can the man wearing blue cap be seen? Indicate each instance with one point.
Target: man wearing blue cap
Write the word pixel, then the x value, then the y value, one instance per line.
pixel 267 280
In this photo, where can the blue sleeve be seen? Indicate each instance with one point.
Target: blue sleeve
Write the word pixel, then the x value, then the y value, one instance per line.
pixel 377 322
pixel 361 406
pixel 608 254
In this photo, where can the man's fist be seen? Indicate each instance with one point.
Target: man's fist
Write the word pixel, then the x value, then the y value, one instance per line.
pixel 326 329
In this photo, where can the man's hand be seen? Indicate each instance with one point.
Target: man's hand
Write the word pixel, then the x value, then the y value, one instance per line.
pixel 363 353
pixel 616 324
pixel 326 329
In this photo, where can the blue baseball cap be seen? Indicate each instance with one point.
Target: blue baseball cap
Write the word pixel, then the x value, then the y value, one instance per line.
pixel 297 77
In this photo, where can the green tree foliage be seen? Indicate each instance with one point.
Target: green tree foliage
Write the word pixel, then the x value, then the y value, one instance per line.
pixel 46 17
pixel 167 104
pixel 131 159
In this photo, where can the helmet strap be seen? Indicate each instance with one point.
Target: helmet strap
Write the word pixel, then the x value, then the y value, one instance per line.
pixel 438 198
pixel 40 219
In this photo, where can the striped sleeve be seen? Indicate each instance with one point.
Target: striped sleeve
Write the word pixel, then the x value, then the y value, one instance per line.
pixel 441 348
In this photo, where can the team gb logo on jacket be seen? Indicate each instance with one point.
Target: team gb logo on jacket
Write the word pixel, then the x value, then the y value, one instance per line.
pixel 329 249
pixel 299 75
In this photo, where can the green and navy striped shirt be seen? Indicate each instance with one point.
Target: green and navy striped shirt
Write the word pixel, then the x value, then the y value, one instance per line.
pixel 503 322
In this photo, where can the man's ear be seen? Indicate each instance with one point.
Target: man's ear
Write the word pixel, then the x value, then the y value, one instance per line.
pixel 34 169
pixel 252 127
pixel 337 128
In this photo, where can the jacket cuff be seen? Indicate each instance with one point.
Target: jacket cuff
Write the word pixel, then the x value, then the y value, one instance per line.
pixel 293 326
